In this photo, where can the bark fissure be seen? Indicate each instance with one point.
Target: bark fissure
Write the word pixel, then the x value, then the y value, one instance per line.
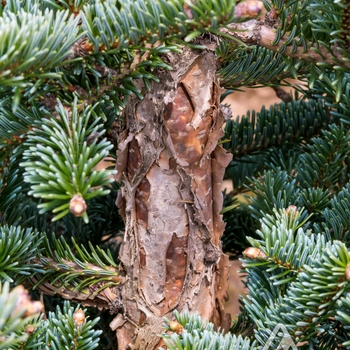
pixel 171 199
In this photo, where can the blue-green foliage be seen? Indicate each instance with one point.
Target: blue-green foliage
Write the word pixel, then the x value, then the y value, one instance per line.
pixel 60 160
pixel 13 321
pixel 301 281
pixel 18 248
pixel 34 43
pixel 199 335
pixel 60 331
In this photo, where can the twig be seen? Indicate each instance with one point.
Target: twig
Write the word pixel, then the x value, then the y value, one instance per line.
pixel 256 32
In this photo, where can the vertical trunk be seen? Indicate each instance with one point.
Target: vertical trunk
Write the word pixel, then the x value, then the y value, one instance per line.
pixel 172 169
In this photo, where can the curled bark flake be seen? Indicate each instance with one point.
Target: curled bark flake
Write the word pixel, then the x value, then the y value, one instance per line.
pixel 283 95
pixel 116 306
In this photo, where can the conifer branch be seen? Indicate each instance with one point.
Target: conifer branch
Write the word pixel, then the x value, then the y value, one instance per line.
pixel 19 316
pixel 88 297
pixel 61 170
pixel 190 332
pixel 109 77
pixel 255 32
pixel 78 269
pixel 78 275
pixel 270 128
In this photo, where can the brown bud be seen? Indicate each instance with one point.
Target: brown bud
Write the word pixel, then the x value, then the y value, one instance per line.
pixel 187 8
pixel 22 299
pixel 292 210
pixel 273 13
pixel 176 327
pixel 34 307
pixel 347 273
pixel 254 253
pixel 30 329
pixel 77 205
pixel 283 95
pixel 23 302
pixel 79 317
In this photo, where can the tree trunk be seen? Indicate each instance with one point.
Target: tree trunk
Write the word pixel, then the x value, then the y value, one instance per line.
pixel 172 169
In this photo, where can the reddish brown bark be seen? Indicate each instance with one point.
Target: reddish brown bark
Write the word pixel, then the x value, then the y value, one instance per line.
pixel 172 169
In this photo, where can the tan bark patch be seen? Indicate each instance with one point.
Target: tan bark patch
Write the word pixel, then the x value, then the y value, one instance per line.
pixel 171 199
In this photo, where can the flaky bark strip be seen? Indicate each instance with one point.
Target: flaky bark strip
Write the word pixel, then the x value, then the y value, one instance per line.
pixel 171 199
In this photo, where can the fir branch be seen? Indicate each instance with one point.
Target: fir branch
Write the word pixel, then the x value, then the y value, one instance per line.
pixel 336 223
pixel 273 190
pixel 254 66
pixel 32 44
pixel 239 224
pixel 343 316
pixel 11 182
pixel 322 165
pixel 61 169
pixel 69 328
pixel 284 245
pixel 77 269
pixel 18 249
pixel 305 302
pixel 66 328
pixel 190 332
pixel 112 81
pixel 312 298
pixel 335 90
pixel 22 328
pixel 254 32
pixel 18 316
pixel 15 123
pixel 80 275
pixel 283 122
pixel 112 28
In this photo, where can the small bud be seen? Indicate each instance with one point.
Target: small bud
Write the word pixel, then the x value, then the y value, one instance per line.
pixel 79 317
pixel 292 210
pixel 30 329
pixel 34 307
pixel 23 302
pixel 176 327
pixel 77 205
pixel 187 8
pixel 254 253
pixel 347 273
pixel 248 9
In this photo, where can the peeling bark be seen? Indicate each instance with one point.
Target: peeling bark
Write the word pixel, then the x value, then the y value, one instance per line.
pixel 172 168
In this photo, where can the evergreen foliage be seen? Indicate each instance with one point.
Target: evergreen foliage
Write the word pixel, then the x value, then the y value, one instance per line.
pixel 22 328
pixel 67 69
pixel 67 171
pixel 189 332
